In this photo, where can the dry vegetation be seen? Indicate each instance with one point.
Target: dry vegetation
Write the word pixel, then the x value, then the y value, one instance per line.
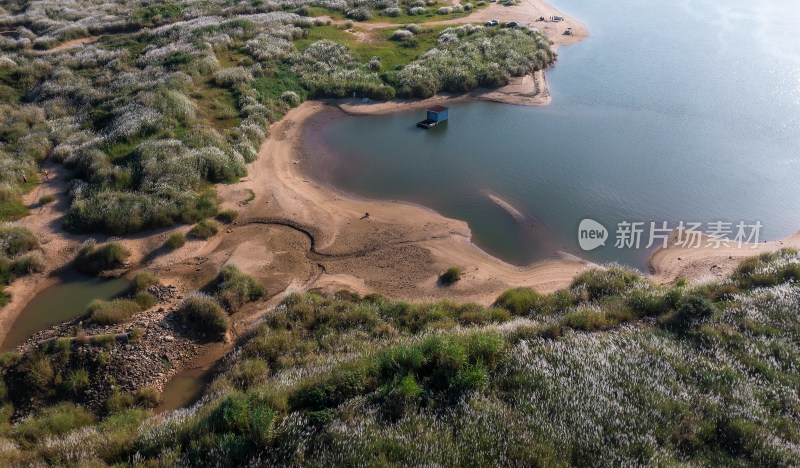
pixel 614 370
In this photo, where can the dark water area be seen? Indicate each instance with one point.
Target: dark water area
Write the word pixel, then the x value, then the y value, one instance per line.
pixel 670 111
pixel 61 302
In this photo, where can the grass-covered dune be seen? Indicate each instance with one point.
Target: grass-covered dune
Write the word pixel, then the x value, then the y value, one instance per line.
pixel 175 96
pixel 612 371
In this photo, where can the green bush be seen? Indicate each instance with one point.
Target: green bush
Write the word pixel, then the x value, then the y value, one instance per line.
pixel 39 373
pixel 77 380
pixel 112 312
pixel 204 229
pixel 227 216
pixel 451 275
pixel 94 259
pixel 237 288
pixel 176 240
pixel 145 300
pixel 690 310
pixel 203 312
pixel 119 402
pixel 519 301
pixel 16 240
pixel 144 280
pixel 9 358
pixel 605 282
pixel 248 372
pixel 27 265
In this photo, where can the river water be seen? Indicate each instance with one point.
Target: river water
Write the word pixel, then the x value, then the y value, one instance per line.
pixel 669 111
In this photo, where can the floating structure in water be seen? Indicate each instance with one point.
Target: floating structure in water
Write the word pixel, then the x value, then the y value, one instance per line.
pixel 436 115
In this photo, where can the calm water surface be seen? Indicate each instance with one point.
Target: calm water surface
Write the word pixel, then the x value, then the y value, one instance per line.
pixel 669 111
pixel 61 302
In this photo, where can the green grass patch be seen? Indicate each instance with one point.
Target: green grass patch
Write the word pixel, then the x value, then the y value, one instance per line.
pixel 112 312
pixel 217 105
pixel 13 210
pixel 278 81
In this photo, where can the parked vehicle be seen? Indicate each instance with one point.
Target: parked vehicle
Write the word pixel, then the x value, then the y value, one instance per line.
pixel 492 22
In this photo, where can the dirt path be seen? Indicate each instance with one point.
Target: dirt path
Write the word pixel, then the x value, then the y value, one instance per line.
pixel 74 42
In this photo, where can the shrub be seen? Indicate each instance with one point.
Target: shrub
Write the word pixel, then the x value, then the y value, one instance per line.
pixel 112 312
pixel 38 372
pixel 135 334
pixel 248 372
pixel 119 402
pixel 229 77
pixel 592 319
pixel 45 199
pixel 9 358
pixel 28 264
pixel 689 310
pixel 359 14
pixel 374 64
pixel 227 216
pixel 203 312
pixel 444 10
pixel 16 240
pixel 519 301
pixel 401 34
pixel 176 240
pixel 451 275
pixel 76 381
pixel 650 303
pixel 204 229
pixel 291 98
pixel 237 288
pixel 605 282
pixel 145 300
pixel 144 280
pixel 94 259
